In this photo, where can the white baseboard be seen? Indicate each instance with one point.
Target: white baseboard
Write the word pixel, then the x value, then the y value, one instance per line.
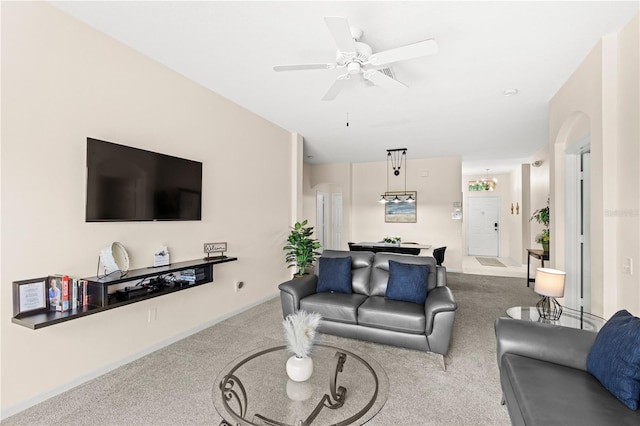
pixel 15 409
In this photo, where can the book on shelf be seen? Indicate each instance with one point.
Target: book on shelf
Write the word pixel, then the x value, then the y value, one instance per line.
pixel 65 299
pixel 58 293
pixel 74 294
pixel 83 293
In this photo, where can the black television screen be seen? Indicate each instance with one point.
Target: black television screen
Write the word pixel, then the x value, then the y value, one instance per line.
pixel 131 184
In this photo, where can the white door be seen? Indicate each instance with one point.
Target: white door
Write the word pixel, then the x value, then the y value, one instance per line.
pixel 483 226
pixel 577 230
pixel 336 220
pixel 322 211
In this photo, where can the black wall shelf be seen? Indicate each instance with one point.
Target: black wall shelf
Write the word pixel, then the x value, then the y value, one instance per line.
pixel 101 300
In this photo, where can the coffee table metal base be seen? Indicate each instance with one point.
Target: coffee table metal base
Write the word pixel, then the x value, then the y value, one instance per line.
pixel 256 380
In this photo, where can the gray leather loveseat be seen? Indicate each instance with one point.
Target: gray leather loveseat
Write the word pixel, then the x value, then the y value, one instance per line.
pixel 366 313
pixel 544 377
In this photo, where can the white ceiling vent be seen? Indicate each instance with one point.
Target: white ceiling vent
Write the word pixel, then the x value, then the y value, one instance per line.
pixel 388 72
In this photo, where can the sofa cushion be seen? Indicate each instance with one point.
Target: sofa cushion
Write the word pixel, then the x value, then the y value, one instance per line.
pixel 407 282
pixel 394 315
pixel 380 270
pixel 614 358
pixel 361 262
pixel 545 393
pixel 334 275
pixel 334 306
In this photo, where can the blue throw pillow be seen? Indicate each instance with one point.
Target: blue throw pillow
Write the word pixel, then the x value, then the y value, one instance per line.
pixel 614 358
pixel 407 282
pixel 334 275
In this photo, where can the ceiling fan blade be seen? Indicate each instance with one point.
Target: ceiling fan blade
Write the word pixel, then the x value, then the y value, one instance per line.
pixel 300 67
pixel 336 87
pixel 410 51
pixel 383 80
pixel 341 32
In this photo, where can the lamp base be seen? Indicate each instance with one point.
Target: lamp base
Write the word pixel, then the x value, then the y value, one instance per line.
pixel 549 308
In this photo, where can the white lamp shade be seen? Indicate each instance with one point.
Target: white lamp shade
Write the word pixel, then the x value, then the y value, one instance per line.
pixel 549 282
pixel 114 257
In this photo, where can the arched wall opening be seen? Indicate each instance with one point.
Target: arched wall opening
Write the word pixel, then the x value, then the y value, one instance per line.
pixel 571 210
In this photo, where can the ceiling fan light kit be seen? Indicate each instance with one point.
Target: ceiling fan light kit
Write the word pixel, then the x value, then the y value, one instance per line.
pixel 358 58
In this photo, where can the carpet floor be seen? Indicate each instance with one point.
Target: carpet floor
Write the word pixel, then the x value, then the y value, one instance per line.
pixel 172 386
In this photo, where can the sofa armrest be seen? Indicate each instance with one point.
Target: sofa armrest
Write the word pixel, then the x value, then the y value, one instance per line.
pixel 547 342
pixel 293 290
pixel 441 276
pixel 440 299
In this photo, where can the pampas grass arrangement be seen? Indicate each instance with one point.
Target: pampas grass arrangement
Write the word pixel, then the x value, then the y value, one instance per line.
pixel 300 332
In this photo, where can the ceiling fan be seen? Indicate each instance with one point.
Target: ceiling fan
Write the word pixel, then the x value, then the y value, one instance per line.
pixel 359 59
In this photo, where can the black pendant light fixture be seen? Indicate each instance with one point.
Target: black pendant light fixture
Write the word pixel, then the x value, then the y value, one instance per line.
pixel 396 158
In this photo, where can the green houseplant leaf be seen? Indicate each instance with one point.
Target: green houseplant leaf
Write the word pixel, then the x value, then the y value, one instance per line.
pixel 542 217
pixel 301 248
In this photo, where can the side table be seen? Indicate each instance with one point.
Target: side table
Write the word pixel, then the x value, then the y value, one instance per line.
pixel 583 321
pixel 537 254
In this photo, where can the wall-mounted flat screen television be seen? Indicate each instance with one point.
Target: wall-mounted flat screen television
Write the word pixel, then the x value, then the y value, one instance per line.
pixel 130 184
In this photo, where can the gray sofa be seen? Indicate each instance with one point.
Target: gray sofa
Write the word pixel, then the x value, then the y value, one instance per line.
pixel 545 381
pixel 367 315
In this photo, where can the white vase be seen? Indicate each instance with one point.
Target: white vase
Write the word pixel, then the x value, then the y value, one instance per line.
pixel 299 369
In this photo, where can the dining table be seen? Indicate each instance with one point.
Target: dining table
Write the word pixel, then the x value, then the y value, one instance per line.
pixel 376 247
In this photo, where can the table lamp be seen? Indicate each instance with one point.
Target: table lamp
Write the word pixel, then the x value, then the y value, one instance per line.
pixel 549 284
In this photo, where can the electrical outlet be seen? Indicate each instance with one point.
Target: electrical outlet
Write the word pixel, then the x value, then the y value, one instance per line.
pixel 152 315
pixel 239 285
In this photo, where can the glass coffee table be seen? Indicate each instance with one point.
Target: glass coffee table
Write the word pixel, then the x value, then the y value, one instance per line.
pixel 345 388
pixel 568 318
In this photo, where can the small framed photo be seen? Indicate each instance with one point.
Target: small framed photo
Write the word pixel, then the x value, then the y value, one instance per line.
pixel 30 296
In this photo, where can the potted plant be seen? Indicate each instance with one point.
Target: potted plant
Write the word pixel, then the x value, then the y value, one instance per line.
pixel 542 217
pixel 392 240
pixel 301 248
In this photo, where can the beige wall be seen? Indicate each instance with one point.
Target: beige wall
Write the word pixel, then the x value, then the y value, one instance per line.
pixel 627 166
pixel 514 220
pixel 63 82
pixel 437 182
pixel 525 206
pixel 601 100
pixel 539 192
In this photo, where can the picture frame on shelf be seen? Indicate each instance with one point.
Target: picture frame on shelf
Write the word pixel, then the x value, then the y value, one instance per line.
pixel 30 296
pixel 402 212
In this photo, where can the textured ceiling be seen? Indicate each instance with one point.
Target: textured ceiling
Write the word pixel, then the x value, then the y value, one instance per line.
pixel 454 105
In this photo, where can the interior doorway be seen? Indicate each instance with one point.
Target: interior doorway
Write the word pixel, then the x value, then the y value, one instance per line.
pixel 328 229
pixel 483 226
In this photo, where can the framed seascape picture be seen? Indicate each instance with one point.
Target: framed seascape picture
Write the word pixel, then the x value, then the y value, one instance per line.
pixel 402 212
